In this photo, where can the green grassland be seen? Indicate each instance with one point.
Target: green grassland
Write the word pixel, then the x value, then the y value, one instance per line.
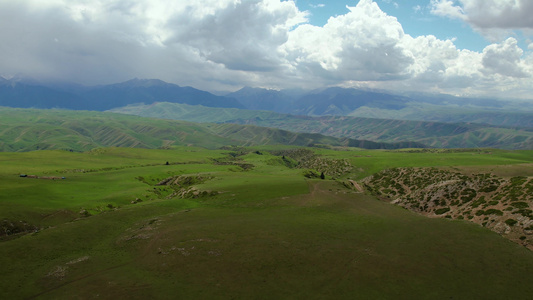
pixel 255 227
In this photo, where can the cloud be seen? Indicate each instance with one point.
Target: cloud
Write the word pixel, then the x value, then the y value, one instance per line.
pixel 447 8
pixel 493 18
pixel 504 59
pixel 360 45
pixel 241 36
pixel 226 44
pixel 103 41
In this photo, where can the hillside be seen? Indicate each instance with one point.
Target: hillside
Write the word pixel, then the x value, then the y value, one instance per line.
pixel 504 205
pixel 342 101
pixel 28 129
pixel 336 101
pixel 433 134
pixel 519 114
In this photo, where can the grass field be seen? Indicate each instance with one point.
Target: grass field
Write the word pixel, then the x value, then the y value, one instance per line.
pixel 265 233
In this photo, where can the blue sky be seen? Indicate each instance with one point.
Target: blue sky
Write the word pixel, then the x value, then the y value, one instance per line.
pixel 459 47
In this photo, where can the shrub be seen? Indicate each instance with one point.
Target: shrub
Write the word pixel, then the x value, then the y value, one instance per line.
pixel 520 204
pixel 468 195
pixel 310 174
pixel 525 212
pixel 441 211
pixel 493 211
pixel 489 188
pixel 518 181
pixel 511 222
pixel 479 201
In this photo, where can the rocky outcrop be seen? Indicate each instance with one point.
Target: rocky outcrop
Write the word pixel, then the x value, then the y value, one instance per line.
pixel 504 205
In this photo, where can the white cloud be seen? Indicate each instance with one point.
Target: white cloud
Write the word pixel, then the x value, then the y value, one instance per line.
pixel 221 44
pixel 241 36
pixel 447 8
pixel 504 59
pixel 493 18
pixel 360 45
pixel 187 42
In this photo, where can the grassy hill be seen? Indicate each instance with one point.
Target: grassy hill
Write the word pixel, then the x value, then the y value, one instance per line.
pixel 241 223
pixel 511 115
pixel 433 134
pixel 31 129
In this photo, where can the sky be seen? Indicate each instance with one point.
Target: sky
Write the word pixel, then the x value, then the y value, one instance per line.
pixel 459 47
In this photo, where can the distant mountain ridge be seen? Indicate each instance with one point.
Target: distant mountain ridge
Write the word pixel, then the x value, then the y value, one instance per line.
pixel 21 94
pixel 263 99
pixel 331 101
pixel 27 93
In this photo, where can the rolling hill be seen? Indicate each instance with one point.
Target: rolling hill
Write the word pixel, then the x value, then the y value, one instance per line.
pixel 434 134
pixel 30 129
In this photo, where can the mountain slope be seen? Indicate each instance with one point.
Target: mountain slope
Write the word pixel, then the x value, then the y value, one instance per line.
pixel 263 99
pixel 15 93
pixel 149 91
pixel 341 101
pixel 434 134
pixel 30 129
pixel 385 105
pixel 27 94
pixel 513 115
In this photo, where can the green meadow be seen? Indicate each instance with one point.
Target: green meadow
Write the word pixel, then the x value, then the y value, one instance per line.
pixel 250 227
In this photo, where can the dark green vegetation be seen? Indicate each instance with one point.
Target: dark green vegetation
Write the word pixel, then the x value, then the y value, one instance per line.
pixel 430 133
pixel 29 129
pixel 186 222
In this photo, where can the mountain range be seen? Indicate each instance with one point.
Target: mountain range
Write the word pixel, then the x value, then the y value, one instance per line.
pixel 23 93
pixel 27 94
pixel 432 120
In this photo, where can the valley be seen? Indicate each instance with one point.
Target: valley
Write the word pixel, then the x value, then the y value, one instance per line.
pixel 266 149
pixel 216 200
